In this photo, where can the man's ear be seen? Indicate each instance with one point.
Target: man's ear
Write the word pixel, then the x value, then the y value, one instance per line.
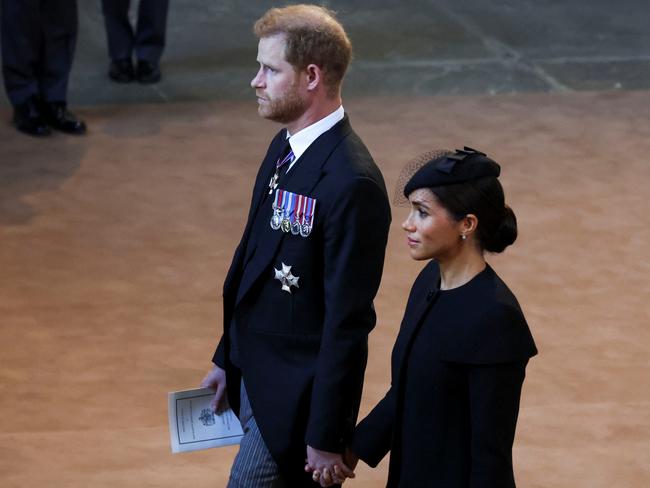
pixel 314 76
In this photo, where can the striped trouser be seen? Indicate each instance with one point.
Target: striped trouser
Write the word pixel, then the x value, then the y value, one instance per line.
pixel 253 466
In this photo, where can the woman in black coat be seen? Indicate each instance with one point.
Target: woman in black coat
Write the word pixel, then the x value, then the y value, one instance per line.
pixel 459 361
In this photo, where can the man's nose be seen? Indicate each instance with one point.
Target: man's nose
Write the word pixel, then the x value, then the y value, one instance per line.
pixel 256 82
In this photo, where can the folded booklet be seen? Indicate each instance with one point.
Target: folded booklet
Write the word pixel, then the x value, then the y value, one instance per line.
pixel 194 426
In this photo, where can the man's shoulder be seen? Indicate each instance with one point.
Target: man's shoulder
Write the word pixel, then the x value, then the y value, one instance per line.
pixel 351 158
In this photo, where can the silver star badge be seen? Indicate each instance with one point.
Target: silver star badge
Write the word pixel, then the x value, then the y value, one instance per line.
pixel 286 278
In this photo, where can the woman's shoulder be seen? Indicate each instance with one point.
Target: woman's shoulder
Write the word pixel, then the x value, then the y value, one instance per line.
pixel 497 300
pixel 491 327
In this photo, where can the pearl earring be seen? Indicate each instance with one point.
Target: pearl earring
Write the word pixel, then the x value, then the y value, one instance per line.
pixel 463 237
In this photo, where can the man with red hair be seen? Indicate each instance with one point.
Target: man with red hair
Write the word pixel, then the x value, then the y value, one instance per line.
pixel 298 298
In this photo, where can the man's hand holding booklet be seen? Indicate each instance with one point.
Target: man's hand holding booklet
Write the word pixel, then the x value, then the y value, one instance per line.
pixel 194 426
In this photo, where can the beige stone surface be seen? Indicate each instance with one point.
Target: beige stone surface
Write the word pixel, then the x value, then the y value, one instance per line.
pixel 114 246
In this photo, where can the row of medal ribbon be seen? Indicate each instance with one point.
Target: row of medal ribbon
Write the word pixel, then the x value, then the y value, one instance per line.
pixel 293 213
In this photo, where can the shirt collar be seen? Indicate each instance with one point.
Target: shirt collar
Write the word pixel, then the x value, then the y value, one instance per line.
pixel 302 139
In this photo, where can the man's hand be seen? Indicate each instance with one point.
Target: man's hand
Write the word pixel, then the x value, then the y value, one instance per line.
pixel 327 468
pixel 216 378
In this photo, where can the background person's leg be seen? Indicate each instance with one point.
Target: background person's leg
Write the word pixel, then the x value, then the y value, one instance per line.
pixel 21 45
pixel 119 32
pixel 120 39
pixel 151 30
pixel 150 39
pixel 59 27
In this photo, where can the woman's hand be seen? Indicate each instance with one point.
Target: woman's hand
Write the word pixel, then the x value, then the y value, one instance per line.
pixel 330 468
pixel 350 459
pixel 327 468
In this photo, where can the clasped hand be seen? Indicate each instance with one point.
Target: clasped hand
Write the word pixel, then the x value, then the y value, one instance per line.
pixel 330 468
pixel 327 468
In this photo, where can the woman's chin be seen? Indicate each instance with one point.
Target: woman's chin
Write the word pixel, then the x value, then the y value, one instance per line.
pixel 418 256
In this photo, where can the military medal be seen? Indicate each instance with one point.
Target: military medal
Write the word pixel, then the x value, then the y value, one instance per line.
pixel 293 213
pixel 308 217
pixel 286 278
pixel 286 225
pixel 297 215
pixel 288 211
pixel 276 219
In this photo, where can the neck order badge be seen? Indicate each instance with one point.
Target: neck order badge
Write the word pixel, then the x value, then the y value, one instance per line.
pixel 273 184
pixel 293 213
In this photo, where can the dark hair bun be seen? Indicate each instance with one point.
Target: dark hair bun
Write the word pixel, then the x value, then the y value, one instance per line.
pixel 505 234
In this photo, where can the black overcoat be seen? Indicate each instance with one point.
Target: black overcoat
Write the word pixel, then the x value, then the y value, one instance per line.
pixel 303 354
pixel 457 369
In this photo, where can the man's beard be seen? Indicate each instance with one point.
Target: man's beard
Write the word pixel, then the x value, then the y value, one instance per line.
pixel 286 109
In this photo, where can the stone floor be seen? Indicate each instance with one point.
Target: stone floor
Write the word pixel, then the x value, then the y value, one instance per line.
pixel 420 47
pixel 114 246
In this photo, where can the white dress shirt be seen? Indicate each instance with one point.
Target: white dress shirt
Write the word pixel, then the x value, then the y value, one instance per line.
pixel 302 139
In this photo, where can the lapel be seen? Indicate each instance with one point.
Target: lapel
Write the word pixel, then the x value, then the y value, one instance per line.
pixel 259 191
pixel 266 172
pixel 302 179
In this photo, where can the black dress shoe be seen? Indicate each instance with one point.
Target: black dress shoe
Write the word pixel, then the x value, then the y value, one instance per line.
pixel 121 71
pixel 60 118
pixel 147 72
pixel 29 119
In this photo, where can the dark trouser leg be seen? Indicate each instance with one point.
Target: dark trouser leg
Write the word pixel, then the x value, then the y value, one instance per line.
pixel 59 26
pixel 150 33
pixel 119 32
pixel 21 48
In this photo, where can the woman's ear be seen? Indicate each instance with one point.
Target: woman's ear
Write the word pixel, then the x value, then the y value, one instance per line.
pixel 468 225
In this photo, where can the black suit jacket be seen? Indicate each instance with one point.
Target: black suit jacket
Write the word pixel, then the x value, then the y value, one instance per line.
pixel 303 354
pixel 457 369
